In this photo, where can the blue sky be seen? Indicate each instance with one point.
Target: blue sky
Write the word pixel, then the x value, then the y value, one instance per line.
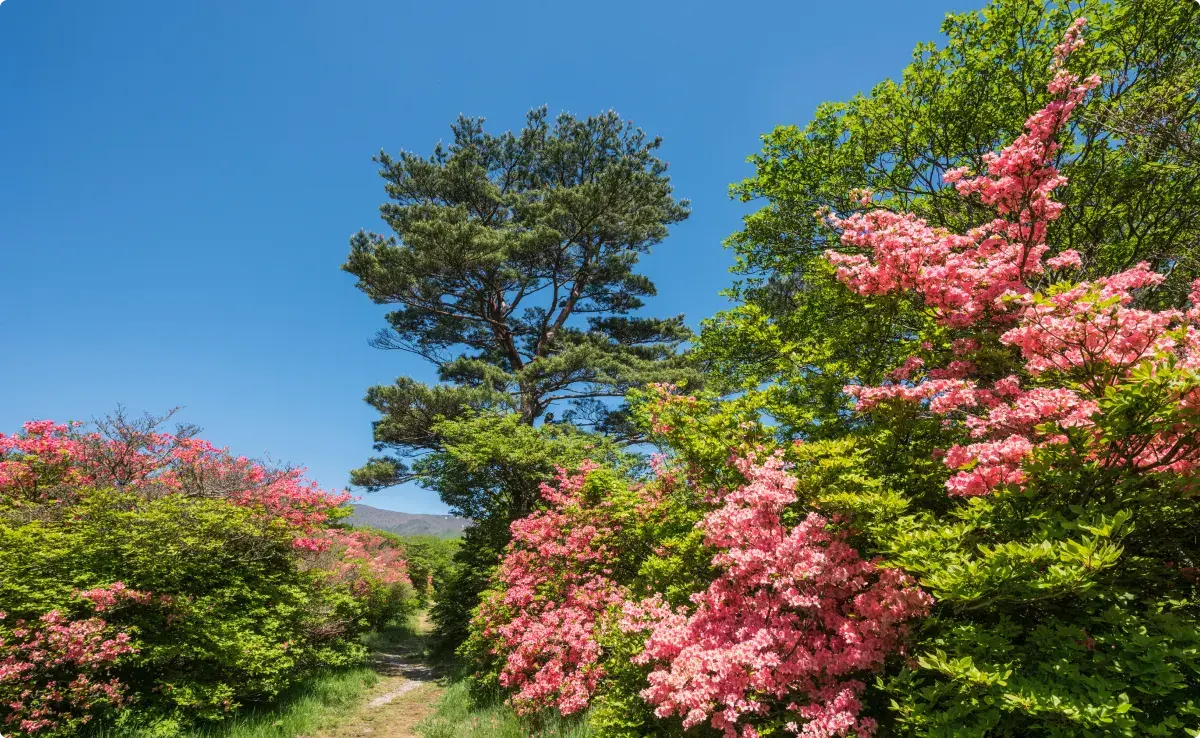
pixel 178 180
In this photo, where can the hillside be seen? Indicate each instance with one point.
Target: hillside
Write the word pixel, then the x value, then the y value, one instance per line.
pixel 446 526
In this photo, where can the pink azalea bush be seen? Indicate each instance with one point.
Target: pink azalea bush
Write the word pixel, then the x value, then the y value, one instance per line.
pixel 178 542
pixel 550 592
pixel 1032 375
pixel 794 620
pixel 990 286
pixel 55 673
pixel 50 462
pixel 364 559
pixel 967 278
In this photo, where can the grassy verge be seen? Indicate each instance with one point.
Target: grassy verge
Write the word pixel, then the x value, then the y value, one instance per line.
pixel 335 703
pixel 316 704
pixel 458 716
pixel 319 703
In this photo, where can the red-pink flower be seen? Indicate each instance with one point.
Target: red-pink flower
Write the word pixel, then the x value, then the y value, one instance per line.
pixel 792 622
pixel 553 586
pixel 361 560
pixel 1085 337
pixel 54 463
pixel 55 672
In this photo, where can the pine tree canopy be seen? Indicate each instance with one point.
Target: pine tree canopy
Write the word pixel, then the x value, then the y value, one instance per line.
pixel 512 266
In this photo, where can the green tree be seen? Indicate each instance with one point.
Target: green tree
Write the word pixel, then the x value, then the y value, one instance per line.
pixel 1133 195
pixel 512 266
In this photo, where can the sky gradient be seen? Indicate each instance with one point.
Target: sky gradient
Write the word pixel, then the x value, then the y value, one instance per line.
pixel 178 181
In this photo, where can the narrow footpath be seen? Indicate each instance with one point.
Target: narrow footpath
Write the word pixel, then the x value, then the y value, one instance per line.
pixel 406 694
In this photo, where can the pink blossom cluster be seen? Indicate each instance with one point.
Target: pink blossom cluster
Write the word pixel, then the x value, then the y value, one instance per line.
pixel 1084 338
pixel 113 595
pixel 554 585
pixel 1093 328
pixel 792 623
pixel 1089 336
pixel 49 462
pixel 54 673
pixel 965 278
pixel 39 460
pixel 364 560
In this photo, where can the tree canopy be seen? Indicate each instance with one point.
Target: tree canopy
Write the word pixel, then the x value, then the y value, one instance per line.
pixel 1133 191
pixel 512 265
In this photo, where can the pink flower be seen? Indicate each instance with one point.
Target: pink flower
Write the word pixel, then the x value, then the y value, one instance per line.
pixel 795 616
pixel 965 279
pixel 1083 338
pixel 553 585
pixel 55 673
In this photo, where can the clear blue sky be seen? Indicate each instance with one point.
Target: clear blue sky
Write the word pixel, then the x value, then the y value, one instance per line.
pixel 178 180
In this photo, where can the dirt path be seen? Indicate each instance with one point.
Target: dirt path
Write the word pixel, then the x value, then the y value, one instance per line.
pixel 407 693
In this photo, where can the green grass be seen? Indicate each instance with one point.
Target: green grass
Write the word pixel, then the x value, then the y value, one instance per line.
pixel 326 700
pixel 320 702
pixel 458 716
pixel 310 707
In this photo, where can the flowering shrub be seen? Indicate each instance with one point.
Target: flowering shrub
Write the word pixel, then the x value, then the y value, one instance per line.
pixel 1085 339
pixel 364 560
pixel 1067 414
pixel 368 568
pixel 50 462
pixel 219 580
pixel 794 617
pixel 965 279
pixel 783 632
pixel 1021 484
pixel 56 674
pixel 553 585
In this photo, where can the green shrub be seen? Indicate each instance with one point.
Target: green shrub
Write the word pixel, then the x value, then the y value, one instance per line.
pixel 188 584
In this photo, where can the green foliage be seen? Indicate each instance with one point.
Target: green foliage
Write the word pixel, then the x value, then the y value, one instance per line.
pixel 460 716
pixel 430 560
pixel 513 268
pixel 663 553
pixel 493 465
pixel 236 617
pixel 1068 608
pixel 319 702
pixel 618 708
pixel 1131 159
pixel 1110 666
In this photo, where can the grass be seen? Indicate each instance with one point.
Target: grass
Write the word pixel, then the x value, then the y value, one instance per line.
pixel 319 703
pixel 458 716
pixel 333 702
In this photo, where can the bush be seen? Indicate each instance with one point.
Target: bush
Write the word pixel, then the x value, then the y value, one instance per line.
pixel 204 583
pixel 430 560
pixel 998 541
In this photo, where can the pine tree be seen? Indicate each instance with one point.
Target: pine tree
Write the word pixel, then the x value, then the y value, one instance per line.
pixel 512 267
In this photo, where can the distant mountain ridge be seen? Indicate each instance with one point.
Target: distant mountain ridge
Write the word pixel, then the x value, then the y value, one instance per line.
pixel 408 524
